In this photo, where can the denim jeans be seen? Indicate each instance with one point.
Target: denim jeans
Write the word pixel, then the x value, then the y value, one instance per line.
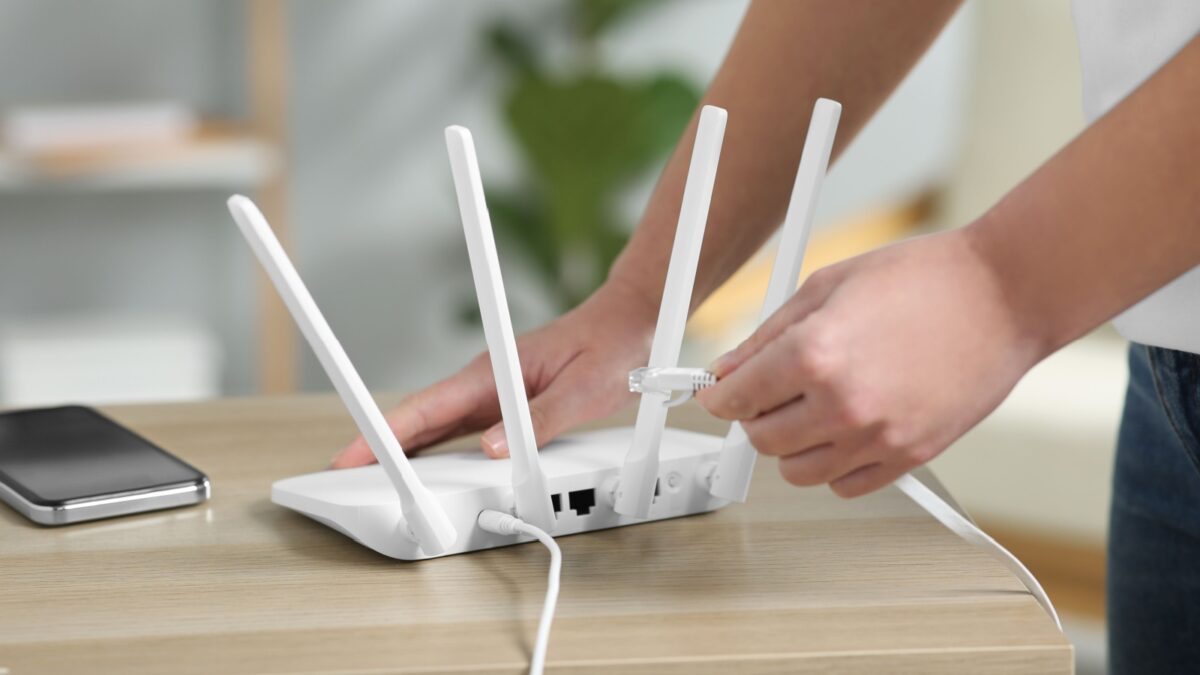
pixel 1154 524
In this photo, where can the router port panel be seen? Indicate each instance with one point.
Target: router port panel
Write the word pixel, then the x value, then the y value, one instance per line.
pixel 582 501
pixel 362 504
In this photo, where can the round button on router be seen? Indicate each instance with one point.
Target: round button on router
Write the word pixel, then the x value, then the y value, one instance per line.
pixel 674 481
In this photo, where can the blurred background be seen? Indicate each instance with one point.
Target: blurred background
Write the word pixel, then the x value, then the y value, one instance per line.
pixel 124 125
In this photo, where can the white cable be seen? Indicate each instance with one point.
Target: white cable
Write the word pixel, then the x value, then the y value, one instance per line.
pixel 667 381
pixel 948 516
pixel 503 523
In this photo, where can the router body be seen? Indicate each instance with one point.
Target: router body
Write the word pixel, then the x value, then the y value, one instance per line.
pixel 579 469
pixel 432 506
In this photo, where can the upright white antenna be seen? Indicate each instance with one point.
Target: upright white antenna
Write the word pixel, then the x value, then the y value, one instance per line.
pixel 731 480
pixel 635 492
pixel 427 522
pixel 528 483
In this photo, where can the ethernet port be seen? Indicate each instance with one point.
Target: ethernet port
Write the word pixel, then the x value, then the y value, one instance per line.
pixel 581 501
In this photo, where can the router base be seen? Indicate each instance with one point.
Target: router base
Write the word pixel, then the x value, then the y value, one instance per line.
pixel 580 470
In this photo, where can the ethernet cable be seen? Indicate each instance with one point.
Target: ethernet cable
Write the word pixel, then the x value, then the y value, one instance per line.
pixel 670 380
pixel 498 522
pixel 970 532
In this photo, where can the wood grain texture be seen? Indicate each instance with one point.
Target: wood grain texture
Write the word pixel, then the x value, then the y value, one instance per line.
pixel 795 581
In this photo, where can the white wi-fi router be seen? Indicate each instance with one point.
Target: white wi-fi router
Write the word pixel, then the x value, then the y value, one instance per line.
pixel 428 506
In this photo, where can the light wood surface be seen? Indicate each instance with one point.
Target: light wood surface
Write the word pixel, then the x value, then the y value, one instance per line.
pixel 795 581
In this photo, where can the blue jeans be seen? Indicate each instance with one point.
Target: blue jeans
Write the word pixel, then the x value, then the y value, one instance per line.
pixel 1154 525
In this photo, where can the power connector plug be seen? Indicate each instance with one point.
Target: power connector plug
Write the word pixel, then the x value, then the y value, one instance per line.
pixel 498 522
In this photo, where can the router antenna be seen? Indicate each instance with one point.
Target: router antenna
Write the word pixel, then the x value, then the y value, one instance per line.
pixel 428 523
pixel 635 491
pixel 731 480
pixel 528 483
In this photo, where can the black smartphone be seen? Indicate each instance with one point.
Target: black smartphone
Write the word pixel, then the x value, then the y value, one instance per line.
pixel 71 464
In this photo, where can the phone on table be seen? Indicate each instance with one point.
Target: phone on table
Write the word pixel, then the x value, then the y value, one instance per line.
pixel 71 464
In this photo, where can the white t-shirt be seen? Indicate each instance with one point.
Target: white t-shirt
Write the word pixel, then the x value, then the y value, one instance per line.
pixel 1121 44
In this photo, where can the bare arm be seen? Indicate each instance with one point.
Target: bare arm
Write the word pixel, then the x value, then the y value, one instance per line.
pixel 785 56
pixel 879 363
pixel 1112 217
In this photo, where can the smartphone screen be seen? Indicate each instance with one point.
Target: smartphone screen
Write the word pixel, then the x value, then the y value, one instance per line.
pixel 53 456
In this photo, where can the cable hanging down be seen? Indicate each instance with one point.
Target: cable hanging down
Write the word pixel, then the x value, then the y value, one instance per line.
pixel 668 381
pixel 497 522
pixel 946 515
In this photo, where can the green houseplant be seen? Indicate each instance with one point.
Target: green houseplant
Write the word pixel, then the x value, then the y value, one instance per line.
pixel 584 136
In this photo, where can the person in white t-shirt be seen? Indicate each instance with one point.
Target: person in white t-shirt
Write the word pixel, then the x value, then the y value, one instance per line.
pixel 878 363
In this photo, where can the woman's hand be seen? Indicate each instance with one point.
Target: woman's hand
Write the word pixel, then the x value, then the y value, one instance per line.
pixel 575 371
pixel 876 364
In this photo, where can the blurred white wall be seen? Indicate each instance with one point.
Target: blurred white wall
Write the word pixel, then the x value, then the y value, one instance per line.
pixel 1022 103
pixel 376 234
pixel 71 254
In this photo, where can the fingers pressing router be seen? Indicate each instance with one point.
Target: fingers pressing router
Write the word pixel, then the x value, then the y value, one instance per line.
pixel 446 409
pixel 559 406
pixel 494 443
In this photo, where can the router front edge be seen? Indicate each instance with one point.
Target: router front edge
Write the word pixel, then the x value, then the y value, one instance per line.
pixel 580 471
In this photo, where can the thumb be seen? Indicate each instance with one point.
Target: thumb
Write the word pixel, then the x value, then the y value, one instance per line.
pixel 552 412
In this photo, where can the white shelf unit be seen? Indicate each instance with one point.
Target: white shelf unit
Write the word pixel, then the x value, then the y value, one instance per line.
pixel 235 162
pixel 237 155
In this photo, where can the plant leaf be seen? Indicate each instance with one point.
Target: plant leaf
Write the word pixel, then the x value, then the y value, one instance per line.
pixel 596 16
pixel 584 140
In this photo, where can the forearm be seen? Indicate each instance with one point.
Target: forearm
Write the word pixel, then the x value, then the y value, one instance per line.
pixel 785 56
pixel 1108 220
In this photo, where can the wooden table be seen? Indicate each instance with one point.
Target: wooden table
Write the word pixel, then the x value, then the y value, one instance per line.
pixel 795 581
